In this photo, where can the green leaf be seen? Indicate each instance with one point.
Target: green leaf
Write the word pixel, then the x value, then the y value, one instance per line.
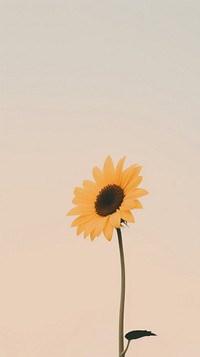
pixel 133 335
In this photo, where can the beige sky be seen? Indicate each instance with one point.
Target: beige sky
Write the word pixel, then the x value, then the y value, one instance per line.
pixel 81 80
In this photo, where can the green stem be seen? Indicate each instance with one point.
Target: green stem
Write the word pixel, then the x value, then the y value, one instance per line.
pixel 126 349
pixel 122 298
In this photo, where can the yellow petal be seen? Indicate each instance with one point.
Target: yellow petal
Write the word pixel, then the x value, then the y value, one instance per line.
pixel 80 210
pixel 76 200
pixel 133 184
pixel 137 193
pixel 127 216
pixel 86 233
pixel 126 175
pixel 108 230
pixel 86 205
pixel 80 229
pixel 90 186
pixel 90 225
pixel 115 219
pixel 83 201
pixel 128 204
pixel 82 219
pixel 92 235
pixel 118 171
pixel 100 225
pixel 98 176
pixel 134 174
pixel 108 170
pixel 138 204
pixel 83 193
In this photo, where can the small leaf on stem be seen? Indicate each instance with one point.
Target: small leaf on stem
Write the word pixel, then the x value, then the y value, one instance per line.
pixel 133 335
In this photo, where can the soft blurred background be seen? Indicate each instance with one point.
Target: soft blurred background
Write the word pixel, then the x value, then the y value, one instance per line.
pixel 81 80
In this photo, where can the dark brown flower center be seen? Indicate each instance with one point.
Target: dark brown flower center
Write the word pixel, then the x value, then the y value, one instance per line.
pixel 109 200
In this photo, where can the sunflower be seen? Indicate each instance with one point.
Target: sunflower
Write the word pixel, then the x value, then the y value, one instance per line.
pixel 106 203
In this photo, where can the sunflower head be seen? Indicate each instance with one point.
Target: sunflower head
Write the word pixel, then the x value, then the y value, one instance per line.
pixel 106 202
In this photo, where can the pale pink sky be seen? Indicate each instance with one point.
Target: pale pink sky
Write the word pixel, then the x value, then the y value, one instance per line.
pixel 81 80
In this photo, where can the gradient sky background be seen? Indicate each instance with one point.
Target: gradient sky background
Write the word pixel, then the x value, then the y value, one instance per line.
pixel 81 80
